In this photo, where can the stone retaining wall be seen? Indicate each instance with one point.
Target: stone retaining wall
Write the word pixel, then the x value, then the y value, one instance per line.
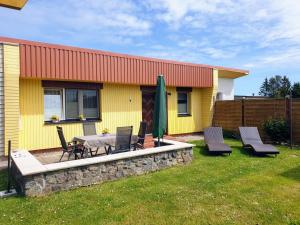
pixel 69 178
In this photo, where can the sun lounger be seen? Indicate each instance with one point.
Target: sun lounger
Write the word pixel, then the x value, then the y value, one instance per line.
pixel 251 139
pixel 213 137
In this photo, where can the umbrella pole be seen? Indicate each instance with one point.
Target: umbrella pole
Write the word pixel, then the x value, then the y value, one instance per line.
pixel 158 144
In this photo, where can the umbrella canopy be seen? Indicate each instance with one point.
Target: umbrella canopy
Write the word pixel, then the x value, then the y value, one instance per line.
pixel 160 109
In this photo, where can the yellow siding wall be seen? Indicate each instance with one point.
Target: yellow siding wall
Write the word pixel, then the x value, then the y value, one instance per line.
pixel 207 101
pixel 121 105
pixel 189 124
pixel 202 102
pixel 117 110
pixel 11 94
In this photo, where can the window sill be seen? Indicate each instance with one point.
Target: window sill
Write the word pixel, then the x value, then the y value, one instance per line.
pixel 184 115
pixel 71 121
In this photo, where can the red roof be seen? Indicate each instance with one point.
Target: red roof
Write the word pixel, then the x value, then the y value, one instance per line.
pixel 58 62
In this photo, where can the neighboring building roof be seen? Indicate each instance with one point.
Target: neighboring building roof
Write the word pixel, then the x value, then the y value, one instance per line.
pixel 237 97
pixel 50 61
pixel 231 74
pixel 13 4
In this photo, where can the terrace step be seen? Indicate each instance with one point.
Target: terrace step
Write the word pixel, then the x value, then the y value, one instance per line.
pixel 149 143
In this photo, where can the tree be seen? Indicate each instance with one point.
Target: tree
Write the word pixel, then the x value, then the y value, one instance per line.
pixel 285 87
pixel 296 90
pixel 276 87
pixel 264 88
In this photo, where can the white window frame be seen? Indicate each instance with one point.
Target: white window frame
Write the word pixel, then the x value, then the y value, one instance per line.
pixel 188 95
pixel 62 103
pixel 65 108
pixel 80 102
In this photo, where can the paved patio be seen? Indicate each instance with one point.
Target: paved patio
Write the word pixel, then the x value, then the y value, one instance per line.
pixel 54 156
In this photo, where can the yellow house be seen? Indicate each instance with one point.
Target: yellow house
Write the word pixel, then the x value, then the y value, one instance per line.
pixel 39 81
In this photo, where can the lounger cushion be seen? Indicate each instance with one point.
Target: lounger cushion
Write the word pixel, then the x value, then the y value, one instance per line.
pixel 250 135
pixel 264 148
pixel 213 135
pixel 251 138
pixel 219 147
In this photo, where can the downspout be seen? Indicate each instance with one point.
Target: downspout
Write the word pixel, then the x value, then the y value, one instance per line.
pixel 2 140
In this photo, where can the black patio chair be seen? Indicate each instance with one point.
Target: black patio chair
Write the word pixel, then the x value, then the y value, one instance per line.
pixel 89 128
pixel 123 141
pixel 141 136
pixel 68 147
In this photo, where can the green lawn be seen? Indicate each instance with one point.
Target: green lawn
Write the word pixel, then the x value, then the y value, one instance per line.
pixel 239 189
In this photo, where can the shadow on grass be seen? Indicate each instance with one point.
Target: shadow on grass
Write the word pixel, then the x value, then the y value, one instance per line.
pixel 243 151
pixel 293 173
pixel 203 150
pixel 250 153
pixel 3 179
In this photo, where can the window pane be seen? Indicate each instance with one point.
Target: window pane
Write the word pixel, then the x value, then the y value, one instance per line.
pixel 72 104
pixel 182 97
pixel 52 104
pixel 90 103
pixel 182 103
pixel 182 108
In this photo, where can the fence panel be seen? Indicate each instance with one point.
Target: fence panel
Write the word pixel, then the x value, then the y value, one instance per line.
pixel 254 112
pixel 296 121
pixel 258 111
pixel 228 114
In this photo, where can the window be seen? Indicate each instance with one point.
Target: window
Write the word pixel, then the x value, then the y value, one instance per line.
pixel 90 103
pixel 53 103
pixel 72 106
pixel 183 103
pixel 69 103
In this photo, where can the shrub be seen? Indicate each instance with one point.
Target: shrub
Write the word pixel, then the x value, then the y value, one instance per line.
pixel 277 130
pixel 230 134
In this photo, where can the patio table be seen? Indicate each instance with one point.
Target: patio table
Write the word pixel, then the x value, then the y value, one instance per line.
pixel 100 140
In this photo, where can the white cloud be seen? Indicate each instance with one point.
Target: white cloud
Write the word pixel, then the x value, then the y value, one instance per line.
pixel 290 58
pixel 249 65
pixel 246 31
pixel 223 29
pixel 99 15
pixel 263 21
pixel 110 20
pixel 183 55
pixel 204 47
pixel 175 12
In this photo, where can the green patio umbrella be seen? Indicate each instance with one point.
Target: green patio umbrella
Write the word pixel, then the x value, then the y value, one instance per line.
pixel 160 113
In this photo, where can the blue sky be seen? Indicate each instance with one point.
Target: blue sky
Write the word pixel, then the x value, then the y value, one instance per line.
pixel 260 36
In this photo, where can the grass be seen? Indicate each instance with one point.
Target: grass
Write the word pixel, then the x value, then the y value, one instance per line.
pixel 239 189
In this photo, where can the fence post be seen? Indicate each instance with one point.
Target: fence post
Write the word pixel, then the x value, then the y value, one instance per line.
pixel 243 112
pixel 214 110
pixel 289 116
pixel 8 167
pixel 291 120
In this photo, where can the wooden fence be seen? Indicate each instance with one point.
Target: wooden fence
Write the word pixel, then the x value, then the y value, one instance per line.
pixel 254 112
